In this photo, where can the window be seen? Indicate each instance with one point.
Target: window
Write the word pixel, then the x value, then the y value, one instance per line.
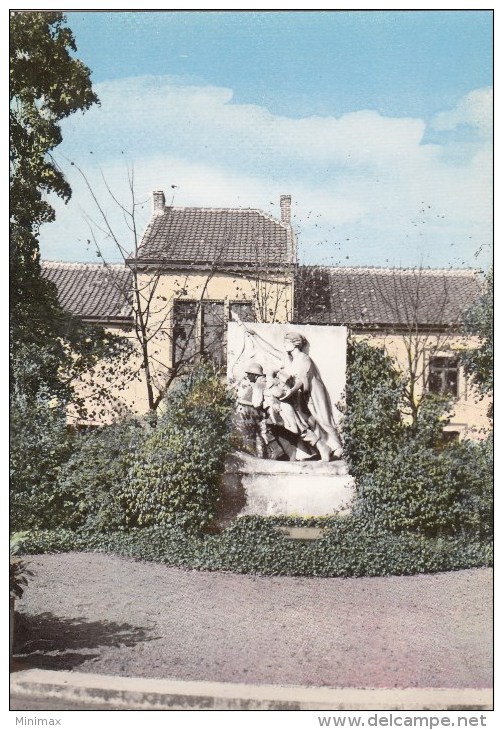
pixel 443 375
pixel 449 437
pixel 185 332
pixel 200 329
pixel 242 310
pixel 213 332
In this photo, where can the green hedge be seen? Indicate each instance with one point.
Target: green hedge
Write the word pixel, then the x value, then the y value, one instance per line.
pixel 255 545
pixel 129 474
pixel 406 478
pixel 174 477
pixel 39 445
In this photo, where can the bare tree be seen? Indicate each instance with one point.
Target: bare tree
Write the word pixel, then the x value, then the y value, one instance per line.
pixel 176 329
pixel 153 314
pixel 424 315
pixel 271 291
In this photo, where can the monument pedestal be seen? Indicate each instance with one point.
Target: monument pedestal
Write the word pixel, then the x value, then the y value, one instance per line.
pixel 253 486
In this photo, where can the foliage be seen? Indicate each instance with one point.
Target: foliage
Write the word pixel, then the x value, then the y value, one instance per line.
pixel 148 473
pixel 405 479
pixel 47 84
pixel 372 424
pixel 42 379
pixel 18 570
pixel 479 361
pixel 349 548
pixel 39 444
pixel 419 507
pixel 473 463
pixel 428 491
pixel 176 471
pixel 53 362
pixel 96 472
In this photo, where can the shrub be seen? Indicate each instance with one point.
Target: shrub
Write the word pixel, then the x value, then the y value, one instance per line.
pixel 473 465
pixel 372 424
pixel 175 473
pixel 96 472
pixel 39 445
pixel 18 570
pixel 405 480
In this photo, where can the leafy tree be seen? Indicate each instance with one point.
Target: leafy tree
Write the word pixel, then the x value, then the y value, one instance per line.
pixel 47 84
pixel 479 361
pixel 50 349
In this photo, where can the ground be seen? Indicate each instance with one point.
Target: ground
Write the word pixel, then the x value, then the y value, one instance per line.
pixel 100 613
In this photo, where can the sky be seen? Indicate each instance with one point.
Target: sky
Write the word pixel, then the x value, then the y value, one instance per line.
pixel 377 123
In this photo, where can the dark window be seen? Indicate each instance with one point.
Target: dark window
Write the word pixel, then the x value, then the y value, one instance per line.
pixel 200 330
pixel 213 332
pixel 443 375
pixel 185 332
pixel 243 310
pixel 449 437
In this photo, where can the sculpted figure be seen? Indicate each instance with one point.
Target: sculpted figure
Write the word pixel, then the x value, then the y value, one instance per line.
pixel 297 403
pixel 250 413
pixel 309 396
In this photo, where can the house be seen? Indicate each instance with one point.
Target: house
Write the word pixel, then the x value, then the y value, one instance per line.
pixel 209 265
pixel 416 315
pixel 195 269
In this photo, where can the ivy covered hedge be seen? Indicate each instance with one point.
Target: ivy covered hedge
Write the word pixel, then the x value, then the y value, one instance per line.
pixel 348 548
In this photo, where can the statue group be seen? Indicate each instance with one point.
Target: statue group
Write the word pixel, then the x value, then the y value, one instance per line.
pixel 285 413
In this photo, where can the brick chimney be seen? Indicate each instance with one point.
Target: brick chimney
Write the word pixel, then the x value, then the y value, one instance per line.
pixel 285 204
pixel 159 202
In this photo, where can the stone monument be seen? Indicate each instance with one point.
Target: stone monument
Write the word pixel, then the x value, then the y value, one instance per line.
pixel 289 380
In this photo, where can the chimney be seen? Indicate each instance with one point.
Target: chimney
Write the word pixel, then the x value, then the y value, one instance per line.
pixel 159 202
pixel 285 204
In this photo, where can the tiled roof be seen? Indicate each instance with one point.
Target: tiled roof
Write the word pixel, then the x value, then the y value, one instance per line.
pixel 197 236
pixel 374 296
pixel 92 291
pixel 362 297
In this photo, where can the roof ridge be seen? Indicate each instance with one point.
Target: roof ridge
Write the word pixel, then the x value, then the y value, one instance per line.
pixel 212 209
pixel 401 270
pixel 77 264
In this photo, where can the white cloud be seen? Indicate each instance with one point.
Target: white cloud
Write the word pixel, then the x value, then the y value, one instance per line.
pixel 363 177
pixel 474 109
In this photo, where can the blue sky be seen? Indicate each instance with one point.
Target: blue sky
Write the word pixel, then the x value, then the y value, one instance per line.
pixel 378 123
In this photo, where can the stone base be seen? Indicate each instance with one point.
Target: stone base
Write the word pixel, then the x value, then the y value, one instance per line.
pixel 253 486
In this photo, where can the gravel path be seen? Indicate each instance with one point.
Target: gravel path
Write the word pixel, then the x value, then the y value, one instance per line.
pixel 105 614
